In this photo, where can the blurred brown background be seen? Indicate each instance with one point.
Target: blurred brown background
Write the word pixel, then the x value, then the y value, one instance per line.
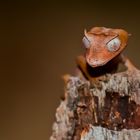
pixel 39 41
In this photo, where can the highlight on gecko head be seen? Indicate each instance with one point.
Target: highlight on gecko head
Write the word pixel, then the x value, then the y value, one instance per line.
pixel 103 44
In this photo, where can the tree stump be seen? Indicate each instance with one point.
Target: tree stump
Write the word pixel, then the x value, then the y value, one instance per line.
pixel 107 110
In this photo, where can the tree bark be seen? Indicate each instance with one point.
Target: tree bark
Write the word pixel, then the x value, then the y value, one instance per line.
pixel 106 110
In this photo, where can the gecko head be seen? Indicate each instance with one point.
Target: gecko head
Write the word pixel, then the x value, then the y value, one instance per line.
pixel 103 44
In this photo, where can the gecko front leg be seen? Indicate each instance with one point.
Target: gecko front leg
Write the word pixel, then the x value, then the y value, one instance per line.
pixel 81 63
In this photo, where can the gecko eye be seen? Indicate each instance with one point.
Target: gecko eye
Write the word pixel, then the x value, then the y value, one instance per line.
pixel 114 44
pixel 86 42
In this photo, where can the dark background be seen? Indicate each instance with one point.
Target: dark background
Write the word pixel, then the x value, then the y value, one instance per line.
pixel 39 41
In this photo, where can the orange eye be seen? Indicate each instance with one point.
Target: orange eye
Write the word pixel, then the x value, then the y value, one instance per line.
pixel 86 42
pixel 114 44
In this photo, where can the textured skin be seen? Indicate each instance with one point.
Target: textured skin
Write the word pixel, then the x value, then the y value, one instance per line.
pixel 97 53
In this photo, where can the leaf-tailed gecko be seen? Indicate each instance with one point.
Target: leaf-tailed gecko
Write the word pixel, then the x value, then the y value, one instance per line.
pixel 103 51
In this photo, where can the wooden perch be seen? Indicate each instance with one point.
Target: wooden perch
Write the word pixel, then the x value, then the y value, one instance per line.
pixel 100 105
pixel 107 110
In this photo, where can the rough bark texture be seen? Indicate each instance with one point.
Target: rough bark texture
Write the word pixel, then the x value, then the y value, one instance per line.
pixel 106 110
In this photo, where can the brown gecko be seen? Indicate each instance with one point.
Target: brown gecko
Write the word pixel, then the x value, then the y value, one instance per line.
pixel 104 47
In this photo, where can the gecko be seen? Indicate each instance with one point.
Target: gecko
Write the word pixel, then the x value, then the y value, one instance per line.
pixel 103 52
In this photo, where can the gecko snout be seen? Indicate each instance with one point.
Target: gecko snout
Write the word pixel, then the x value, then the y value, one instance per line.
pixel 93 62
